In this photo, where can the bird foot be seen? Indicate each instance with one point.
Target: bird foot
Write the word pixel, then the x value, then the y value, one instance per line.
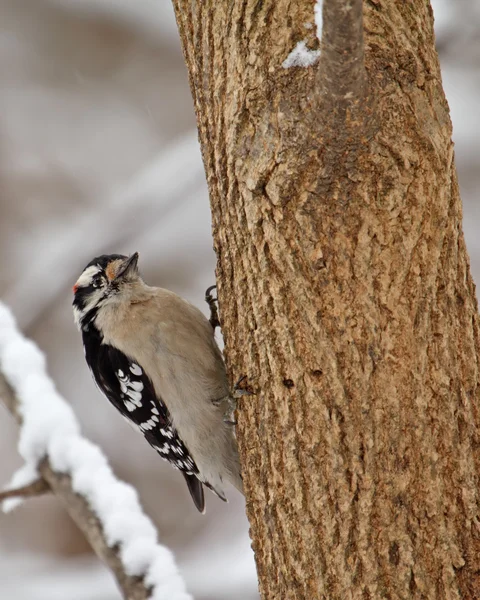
pixel 231 404
pixel 212 304
pixel 237 393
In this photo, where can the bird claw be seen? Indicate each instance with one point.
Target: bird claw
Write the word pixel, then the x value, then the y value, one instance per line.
pixel 236 394
pixel 212 304
pixel 229 416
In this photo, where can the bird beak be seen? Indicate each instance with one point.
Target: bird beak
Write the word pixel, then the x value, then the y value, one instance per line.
pixel 129 266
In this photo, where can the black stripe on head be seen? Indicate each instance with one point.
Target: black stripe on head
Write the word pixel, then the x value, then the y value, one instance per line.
pixel 89 286
pixel 83 289
pixel 80 298
pixel 104 260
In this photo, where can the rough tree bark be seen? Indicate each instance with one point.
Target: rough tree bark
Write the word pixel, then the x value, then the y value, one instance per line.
pixel 345 294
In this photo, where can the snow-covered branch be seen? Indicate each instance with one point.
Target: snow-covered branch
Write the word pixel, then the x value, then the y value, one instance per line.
pixel 104 508
pixel 342 69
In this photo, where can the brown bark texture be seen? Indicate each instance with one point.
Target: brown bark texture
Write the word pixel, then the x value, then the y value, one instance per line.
pixel 345 295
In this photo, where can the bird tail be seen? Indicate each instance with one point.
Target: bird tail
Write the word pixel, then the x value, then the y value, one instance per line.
pixel 237 481
pixel 196 491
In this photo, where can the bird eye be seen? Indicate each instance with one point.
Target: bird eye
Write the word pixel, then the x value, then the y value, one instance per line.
pixel 97 281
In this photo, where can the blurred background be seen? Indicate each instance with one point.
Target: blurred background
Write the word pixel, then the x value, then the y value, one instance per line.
pixel 99 154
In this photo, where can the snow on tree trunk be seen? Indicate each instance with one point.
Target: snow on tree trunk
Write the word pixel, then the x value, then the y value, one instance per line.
pixel 345 293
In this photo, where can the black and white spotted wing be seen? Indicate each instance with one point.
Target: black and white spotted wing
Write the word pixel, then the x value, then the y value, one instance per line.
pixel 130 390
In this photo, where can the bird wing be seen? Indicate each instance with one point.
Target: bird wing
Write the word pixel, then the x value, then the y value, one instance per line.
pixel 129 389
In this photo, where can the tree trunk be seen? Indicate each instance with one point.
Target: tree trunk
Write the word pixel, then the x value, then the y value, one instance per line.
pixel 345 294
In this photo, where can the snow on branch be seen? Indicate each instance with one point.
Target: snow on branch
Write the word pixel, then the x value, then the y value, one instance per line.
pixel 342 69
pixel 339 31
pixel 301 55
pixel 105 509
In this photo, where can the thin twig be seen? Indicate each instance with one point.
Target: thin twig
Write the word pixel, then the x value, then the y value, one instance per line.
pixel 36 488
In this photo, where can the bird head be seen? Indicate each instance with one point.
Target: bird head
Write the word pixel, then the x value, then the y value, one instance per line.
pixel 107 279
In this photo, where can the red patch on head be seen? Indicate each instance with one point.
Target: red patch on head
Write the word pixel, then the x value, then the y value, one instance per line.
pixel 75 288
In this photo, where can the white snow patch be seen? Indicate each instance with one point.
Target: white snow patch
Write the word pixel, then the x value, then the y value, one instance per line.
pixel 24 476
pixel 49 428
pixel 319 18
pixel 301 56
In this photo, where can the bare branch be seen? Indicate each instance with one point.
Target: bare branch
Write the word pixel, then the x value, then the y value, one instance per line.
pixel 342 68
pixel 132 588
pixel 36 488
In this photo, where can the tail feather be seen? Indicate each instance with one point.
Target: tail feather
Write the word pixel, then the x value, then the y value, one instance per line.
pixel 196 491
pixel 215 491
